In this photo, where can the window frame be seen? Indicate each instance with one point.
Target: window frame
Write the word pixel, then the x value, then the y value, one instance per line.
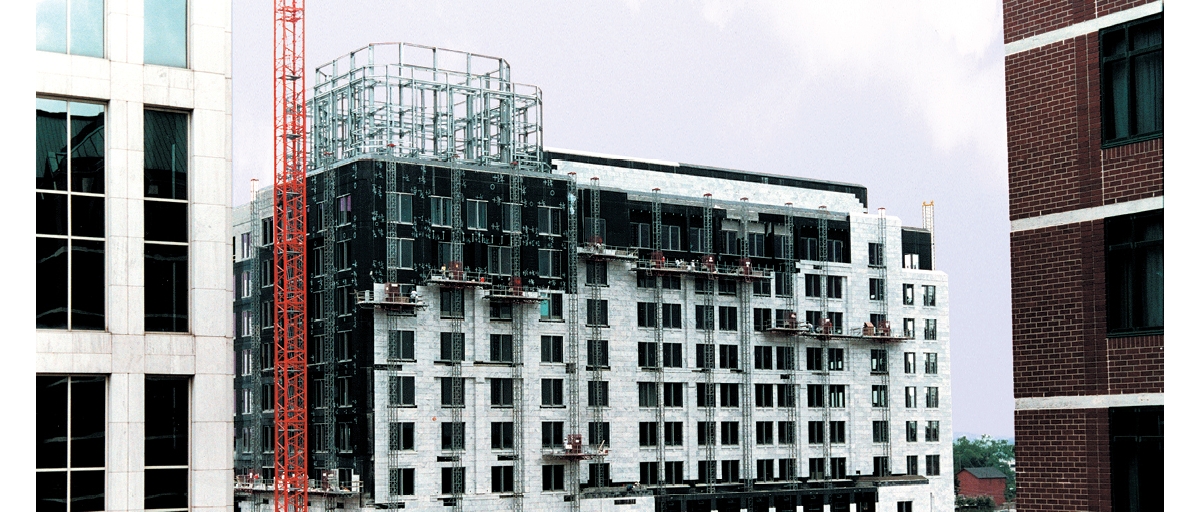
pixel 72 194
pixel 1126 269
pixel 1127 56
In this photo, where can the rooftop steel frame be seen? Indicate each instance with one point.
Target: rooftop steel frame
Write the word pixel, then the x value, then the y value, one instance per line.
pixel 407 100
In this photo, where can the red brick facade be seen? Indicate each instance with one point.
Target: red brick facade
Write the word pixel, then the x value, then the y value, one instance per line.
pixel 1060 343
pixel 1055 163
pixel 1062 460
pixel 968 485
pixel 1025 18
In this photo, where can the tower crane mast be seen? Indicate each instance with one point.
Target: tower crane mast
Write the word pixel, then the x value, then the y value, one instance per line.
pixel 289 230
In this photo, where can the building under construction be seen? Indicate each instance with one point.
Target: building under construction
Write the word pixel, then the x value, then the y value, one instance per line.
pixel 500 326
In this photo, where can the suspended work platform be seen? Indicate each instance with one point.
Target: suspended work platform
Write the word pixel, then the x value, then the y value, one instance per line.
pixel 869 332
pixel 598 251
pixel 512 293
pixel 706 266
pixel 453 276
pixel 390 296
pixel 574 450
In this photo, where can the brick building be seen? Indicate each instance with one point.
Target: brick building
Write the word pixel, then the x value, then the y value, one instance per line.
pixel 982 482
pixel 1085 150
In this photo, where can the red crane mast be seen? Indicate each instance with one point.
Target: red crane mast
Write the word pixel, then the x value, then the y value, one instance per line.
pixel 291 160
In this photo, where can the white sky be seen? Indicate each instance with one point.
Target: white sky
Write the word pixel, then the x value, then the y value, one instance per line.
pixel 904 98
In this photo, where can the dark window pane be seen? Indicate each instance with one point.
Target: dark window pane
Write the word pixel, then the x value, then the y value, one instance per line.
pixel 51 283
pixel 166 222
pixel 1117 98
pixel 1152 286
pixel 87 147
pixel 87 491
pixel 166 288
pixel 87 27
pixel 167 428
pixel 87 422
pixel 166 32
pixel 51 34
pixel 1145 35
pixel 52 214
pixel 52 492
pixel 87 284
pixel 166 488
pixel 166 154
pixel 1148 92
pixel 87 216
pixel 51 423
pixel 1113 43
pixel 51 137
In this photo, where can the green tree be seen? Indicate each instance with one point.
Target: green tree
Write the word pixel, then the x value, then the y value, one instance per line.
pixel 986 452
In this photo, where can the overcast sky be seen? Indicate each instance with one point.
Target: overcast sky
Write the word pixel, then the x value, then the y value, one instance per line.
pixel 906 100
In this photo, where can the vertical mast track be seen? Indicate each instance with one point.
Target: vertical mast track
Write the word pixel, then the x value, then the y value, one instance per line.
pixel 572 294
pixel 885 325
pixel 659 411
pixel 792 321
pixel 710 363
pixel 745 339
pixel 823 250
pixel 595 308
pixel 457 341
pixel 517 195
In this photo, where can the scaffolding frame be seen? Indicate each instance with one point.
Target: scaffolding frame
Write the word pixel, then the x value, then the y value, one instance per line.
pixel 407 100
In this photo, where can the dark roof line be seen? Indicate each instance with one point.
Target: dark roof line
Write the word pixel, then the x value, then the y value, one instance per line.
pixel 858 191
pixel 988 472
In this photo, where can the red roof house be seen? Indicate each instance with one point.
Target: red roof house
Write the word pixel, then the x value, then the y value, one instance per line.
pixel 982 482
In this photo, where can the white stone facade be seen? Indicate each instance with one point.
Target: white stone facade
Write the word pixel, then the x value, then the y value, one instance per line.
pixel 624 414
pixel 123 353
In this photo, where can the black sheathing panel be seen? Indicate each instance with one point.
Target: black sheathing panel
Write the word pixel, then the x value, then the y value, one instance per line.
pixel 368 231
pixel 858 191
pixel 920 242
